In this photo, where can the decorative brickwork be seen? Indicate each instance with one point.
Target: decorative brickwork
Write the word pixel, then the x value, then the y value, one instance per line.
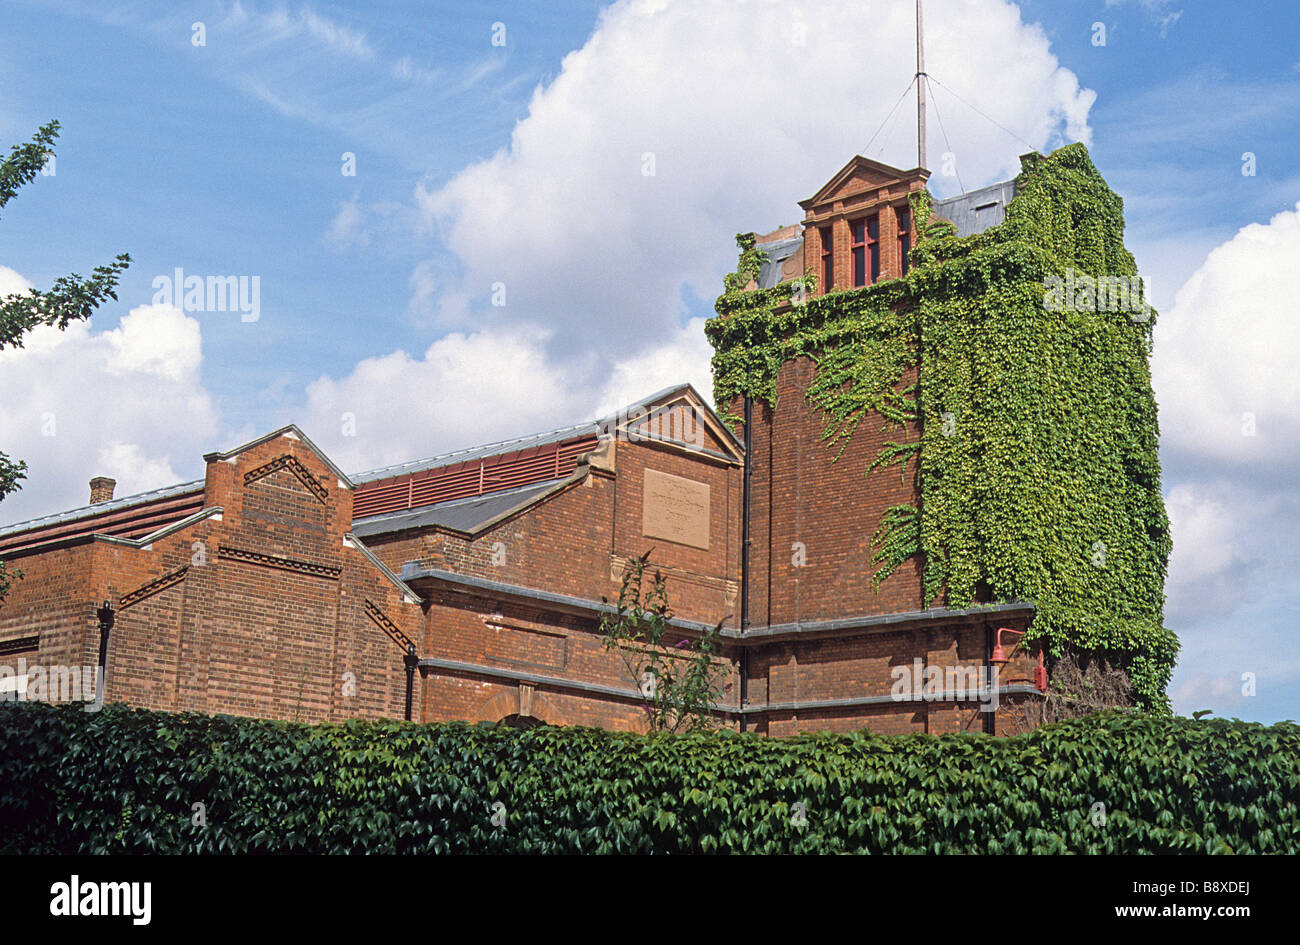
pixel 295 467
pixel 153 587
pixel 285 564
pixel 384 623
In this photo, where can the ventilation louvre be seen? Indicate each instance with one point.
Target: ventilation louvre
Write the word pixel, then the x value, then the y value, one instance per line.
pixel 468 479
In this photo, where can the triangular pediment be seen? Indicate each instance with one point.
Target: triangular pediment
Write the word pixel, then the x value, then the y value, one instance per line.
pixel 860 174
pixel 680 415
pixel 290 432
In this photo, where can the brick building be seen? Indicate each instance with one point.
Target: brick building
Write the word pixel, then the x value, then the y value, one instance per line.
pixel 470 585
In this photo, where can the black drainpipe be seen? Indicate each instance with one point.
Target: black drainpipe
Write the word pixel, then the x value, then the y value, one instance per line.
pixel 990 718
pixel 106 616
pixel 411 661
pixel 744 554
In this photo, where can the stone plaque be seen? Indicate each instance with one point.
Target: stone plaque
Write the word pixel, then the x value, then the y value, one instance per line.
pixel 676 509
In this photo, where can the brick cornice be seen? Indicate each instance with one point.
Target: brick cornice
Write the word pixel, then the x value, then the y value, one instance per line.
pixel 432 666
pixel 862 625
pixel 284 564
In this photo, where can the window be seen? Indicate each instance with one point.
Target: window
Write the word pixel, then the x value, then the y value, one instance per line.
pixel 828 259
pixel 866 250
pixel 904 237
pixel 859 231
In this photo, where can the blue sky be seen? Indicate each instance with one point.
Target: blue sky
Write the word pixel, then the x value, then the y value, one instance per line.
pixel 502 149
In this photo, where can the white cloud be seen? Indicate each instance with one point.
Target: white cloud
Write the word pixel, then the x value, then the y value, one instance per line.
pixel 1158 11
pixel 1208 569
pixel 346 228
pixel 357 224
pixel 1224 365
pixel 742 112
pixel 683 356
pixel 127 403
pixel 157 341
pixel 1219 692
pixel 12 283
pixel 465 390
pixel 128 463
pixel 595 255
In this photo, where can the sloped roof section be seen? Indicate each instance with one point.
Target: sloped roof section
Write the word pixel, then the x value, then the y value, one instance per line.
pixel 292 432
pixel 512 464
pixel 475 472
pixel 468 516
pixel 131 516
pixel 978 210
pixel 499 448
pixel 774 256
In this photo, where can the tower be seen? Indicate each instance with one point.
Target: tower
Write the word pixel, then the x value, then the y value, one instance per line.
pixel 952 409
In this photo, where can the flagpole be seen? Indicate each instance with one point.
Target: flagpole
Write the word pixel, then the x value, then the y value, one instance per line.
pixel 920 92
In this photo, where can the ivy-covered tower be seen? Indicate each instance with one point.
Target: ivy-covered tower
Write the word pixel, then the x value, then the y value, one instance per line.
pixel 952 407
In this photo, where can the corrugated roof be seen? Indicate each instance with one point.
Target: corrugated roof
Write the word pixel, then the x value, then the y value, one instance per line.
pixel 574 431
pixel 517 444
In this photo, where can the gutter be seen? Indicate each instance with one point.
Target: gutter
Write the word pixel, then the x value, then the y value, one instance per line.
pixel 627 694
pixel 775 633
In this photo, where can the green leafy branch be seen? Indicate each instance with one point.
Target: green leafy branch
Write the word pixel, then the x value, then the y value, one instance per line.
pixel 680 684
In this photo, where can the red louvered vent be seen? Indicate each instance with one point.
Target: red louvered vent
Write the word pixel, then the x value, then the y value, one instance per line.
pixel 471 478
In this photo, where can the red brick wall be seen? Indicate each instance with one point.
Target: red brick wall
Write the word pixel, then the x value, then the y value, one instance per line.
pixel 513 637
pixel 265 611
pixel 51 601
pixel 855 200
pixel 578 542
pixel 703 585
pixel 803 493
pixel 260 612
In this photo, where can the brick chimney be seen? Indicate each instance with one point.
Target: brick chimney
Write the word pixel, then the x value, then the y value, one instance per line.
pixel 101 489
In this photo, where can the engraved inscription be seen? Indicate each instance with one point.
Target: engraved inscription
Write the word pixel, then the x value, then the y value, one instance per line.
pixel 676 509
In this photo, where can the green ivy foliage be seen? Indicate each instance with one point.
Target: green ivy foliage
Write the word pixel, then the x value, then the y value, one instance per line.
pixel 127 781
pixel 1038 474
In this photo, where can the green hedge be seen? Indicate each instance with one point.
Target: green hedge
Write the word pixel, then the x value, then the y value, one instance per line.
pixel 125 780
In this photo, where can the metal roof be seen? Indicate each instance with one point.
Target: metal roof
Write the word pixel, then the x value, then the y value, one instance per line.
pixel 589 428
pixel 478 452
pixel 290 430
pixel 978 210
pixel 100 508
pixel 776 253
